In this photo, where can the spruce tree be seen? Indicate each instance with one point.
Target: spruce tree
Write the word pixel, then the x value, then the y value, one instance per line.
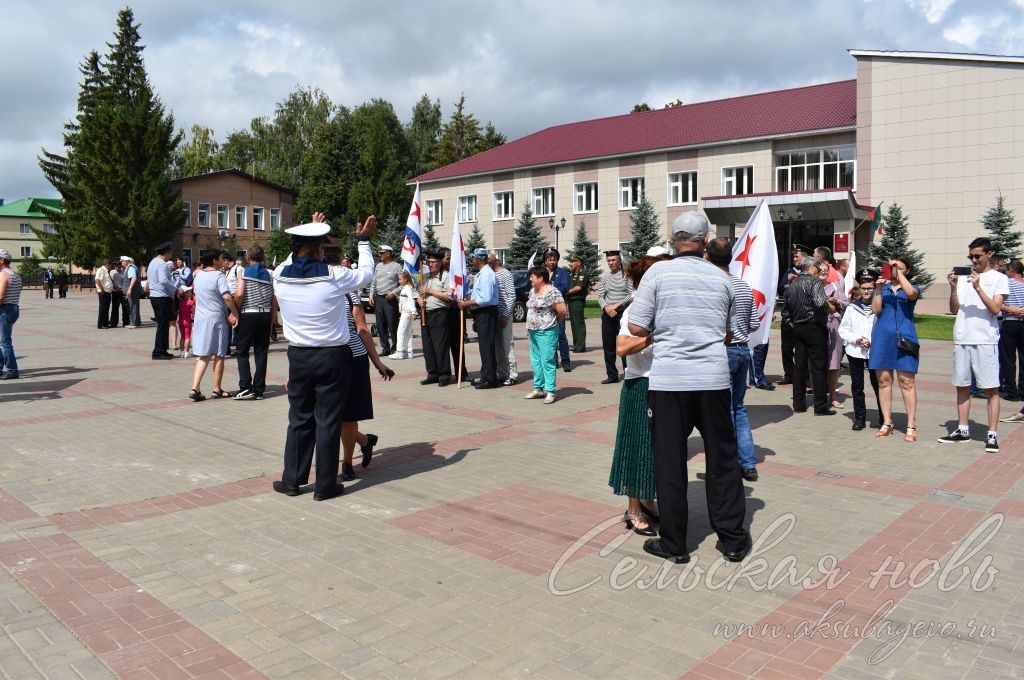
pixel 526 240
pixel 476 240
pixel 115 180
pixel 589 255
pixel 1000 221
pixel 645 229
pixel 430 242
pixel 392 233
pixel 895 242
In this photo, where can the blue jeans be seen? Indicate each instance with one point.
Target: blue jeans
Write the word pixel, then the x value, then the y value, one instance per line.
pixel 739 365
pixel 758 355
pixel 563 345
pixel 8 315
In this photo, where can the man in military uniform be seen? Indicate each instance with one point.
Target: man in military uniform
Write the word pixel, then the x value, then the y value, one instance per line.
pixel 576 298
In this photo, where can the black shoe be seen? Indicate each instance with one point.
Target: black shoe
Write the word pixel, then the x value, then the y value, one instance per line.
pixel 443 382
pixel 280 487
pixel 858 425
pixel 957 436
pixel 610 381
pixel 647 531
pixel 348 473
pixel 750 474
pixel 168 355
pixel 371 441
pixel 509 382
pixel 738 554
pixel 486 385
pixel 476 381
pixel 329 494
pixel 654 546
pixel 385 353
pixel 768 386
pixel 799 410
pixel 430 380
pixel 785 381
pixel 161 357
pixel 567 368
pixel 826 412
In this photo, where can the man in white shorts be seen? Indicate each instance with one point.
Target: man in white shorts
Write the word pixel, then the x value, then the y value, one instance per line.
pixel 976 299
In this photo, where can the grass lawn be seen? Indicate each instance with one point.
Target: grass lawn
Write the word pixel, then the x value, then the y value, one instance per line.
pixel 929 326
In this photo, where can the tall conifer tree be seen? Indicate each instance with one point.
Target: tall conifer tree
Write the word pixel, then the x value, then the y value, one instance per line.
pixel 526 241
pixel 895 242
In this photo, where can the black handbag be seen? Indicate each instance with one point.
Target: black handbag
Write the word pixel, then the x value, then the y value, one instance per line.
pixel 907 345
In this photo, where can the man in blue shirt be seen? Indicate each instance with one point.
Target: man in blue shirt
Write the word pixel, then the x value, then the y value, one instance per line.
pixel 161 295
pixel 484 303
pixel 560 280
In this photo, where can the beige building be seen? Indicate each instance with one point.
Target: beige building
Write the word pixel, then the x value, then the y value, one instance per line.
pixel 933 132
pixel 19 221
pixel 230 210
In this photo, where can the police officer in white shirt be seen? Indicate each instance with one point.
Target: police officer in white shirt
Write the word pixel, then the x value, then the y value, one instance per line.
pixel 314 312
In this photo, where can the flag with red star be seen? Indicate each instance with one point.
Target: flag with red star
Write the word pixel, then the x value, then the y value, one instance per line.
pixel 755 259
pixel 412 246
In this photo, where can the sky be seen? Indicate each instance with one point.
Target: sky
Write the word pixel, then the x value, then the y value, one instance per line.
pixel 522 64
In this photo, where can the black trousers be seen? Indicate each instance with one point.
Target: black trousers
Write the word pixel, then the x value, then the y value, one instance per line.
pixel 317 387
pixel 486 319
pixel 49 290
pixel 1011 347
pixel 810 341
pixel 787 351
pixel 116 309
pixel 437 343
pixel 386 312
pixel 253 331
pixel 456 325
pixel 103 317
pixel 857 368
pixel 63 291
pixel 674 415
pixel 162 314
pixel 609 331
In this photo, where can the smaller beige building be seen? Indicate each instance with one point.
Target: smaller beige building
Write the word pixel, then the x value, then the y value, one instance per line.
pixel 230 210
pixel 18 219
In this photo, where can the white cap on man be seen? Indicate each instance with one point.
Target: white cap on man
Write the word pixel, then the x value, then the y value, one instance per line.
pixel 691 226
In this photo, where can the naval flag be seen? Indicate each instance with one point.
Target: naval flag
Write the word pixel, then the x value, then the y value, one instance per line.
pixel 412 245
pixel 755 259
pixel 457 271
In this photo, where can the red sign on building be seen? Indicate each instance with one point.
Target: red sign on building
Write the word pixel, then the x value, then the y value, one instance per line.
pixel 841 243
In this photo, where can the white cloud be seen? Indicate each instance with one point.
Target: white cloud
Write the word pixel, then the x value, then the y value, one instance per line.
pixel 933 10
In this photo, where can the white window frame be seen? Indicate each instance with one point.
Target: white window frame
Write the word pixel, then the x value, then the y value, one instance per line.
pixel 504 205
pixel 730 187
pixel 821 163
pixel 500 253
pixel 187 209
pixel 222 216
pixel 258 223
pixel 275 219
pixel 241 223
pixel 203 210
pixel 682 188
pixel 24 228
pixel 630 191
pixel 435 212
pixel 26 251
pixel 584 192
pixel 467 208
pixel 544 202
pixel 48 228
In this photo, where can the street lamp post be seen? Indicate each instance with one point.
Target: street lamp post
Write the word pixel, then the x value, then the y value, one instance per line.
pixel 789 227
pixel 557 226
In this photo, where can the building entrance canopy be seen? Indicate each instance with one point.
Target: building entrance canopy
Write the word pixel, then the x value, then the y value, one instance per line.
pixel 824 204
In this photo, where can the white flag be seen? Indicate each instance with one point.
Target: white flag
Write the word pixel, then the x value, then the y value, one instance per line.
pixel 412 246
pixel 755 259
pixel 457 272
pixel 529 264
pixel 851 274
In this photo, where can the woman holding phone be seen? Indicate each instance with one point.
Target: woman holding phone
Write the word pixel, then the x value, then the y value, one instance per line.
pixel 894 344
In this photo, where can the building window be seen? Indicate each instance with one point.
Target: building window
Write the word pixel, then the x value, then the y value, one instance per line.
pixel 186 256
pixel 544 201
pixel 257 218
pixel 586 197
pixel 275 219
pixel 48 228
pixel 630 191
pixel 24 229
pixel 222 216
pixel 186 212
pixel 203 215
pixel 467 208
pixel 816 169
pixel 240 217
pixel 504 205
pixel 435 212
pixel 682 188
pixel 26 251
pixel 738 181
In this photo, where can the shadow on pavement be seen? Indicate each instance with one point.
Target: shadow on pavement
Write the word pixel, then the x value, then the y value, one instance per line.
pixel 700 524
pixel 17 390
pixel 52 371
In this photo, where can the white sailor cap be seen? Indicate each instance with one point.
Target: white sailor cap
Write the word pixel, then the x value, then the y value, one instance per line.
pixel 310 230
pixel 125 258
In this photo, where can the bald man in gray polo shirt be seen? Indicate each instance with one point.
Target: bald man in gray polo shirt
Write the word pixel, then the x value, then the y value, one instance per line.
pixel 686 304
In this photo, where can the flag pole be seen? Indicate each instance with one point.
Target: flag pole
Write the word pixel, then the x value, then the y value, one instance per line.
pixel 462 344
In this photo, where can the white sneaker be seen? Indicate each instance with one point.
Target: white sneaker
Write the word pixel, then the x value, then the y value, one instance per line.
pixel 550 399
pixel 1017 417
pixel 398 355
pixel 536 394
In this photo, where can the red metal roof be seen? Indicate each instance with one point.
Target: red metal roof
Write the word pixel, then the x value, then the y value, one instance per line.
pixel 802 109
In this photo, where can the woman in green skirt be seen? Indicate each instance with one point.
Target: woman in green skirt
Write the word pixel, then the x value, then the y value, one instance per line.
pixel 632 473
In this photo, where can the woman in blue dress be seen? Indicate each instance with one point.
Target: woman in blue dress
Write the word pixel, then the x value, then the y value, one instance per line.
pixel 893 305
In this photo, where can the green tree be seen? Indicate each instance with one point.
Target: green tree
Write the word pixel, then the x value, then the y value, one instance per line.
pixel 590 256
pixel 422 133
pixel 237 151
pixel 381 162
pixel 491 137
pixel 197 154
pixel 392 233
pixel 645 228
pixel 327 170
pixel 460 137
pixel 526 240
pixel 641 107
pixel 115 180
pixel 279 247
pixel 895 242
pixel 430 242
pixel 476 239
pixel 280 144
pixel 29 267
pixel 1000 221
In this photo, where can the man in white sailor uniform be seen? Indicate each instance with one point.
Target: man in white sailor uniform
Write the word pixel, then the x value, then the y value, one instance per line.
pixel 313 308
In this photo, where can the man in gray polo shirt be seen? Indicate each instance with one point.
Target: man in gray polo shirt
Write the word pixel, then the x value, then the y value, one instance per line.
pixel 686 304
pixel 384 292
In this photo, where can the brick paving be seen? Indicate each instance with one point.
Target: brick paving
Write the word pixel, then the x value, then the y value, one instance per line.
pixel 139 537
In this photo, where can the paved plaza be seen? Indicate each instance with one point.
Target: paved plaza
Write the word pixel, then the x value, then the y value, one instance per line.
pixel 140 537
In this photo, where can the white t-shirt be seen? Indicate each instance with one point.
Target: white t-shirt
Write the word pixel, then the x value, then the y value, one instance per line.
pixel 975 324
pixel 637 365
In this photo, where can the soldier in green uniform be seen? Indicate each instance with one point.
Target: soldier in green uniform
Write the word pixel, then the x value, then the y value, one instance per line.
pixel 576 298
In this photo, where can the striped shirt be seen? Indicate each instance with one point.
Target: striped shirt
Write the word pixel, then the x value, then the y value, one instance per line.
pixel 616 289
pixel 385 279
pixel 686 304
pixel 12 294
pixel 506 291
pixel 1014 299
pixel 355 343
pixel 744 319
pixel 258 290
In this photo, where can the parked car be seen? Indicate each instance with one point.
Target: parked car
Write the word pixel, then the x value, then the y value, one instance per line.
pixel 521 277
